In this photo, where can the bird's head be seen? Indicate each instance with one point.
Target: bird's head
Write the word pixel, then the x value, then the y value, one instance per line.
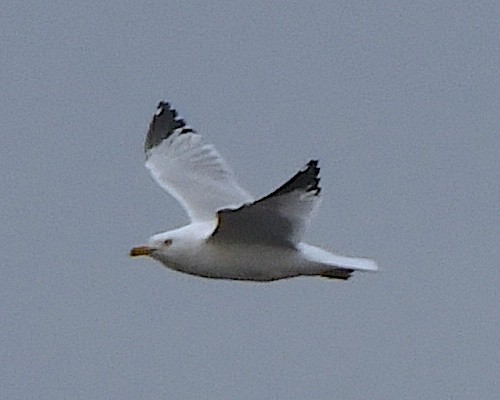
pixel 173 246
pixel 157 244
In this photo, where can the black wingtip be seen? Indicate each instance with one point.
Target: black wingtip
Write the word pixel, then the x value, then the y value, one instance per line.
pixel 306 179
pixel 165 121
pixel 311 171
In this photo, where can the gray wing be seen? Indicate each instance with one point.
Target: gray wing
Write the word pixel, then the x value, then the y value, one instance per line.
pixel 280 218
pixel 191 171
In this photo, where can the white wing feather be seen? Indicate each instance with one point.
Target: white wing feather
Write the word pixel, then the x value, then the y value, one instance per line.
pixel 191 171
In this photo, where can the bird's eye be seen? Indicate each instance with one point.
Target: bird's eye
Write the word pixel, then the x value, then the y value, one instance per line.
pixel 168 242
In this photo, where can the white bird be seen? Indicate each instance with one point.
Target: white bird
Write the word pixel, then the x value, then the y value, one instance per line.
pixel 231 235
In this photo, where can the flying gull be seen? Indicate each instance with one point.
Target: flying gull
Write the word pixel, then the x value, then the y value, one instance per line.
pixel 232 235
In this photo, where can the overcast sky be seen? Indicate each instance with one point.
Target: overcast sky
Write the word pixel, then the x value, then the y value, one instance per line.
pixel 398 100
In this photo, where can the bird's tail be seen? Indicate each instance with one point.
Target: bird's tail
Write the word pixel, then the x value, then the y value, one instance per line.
pixel 336 266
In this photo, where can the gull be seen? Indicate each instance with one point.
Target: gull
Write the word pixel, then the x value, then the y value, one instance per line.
pixel 232 235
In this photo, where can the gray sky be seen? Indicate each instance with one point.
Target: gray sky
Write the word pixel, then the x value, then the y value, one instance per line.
pixel 398 100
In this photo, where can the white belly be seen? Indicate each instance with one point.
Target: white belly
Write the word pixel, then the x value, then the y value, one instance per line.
pixel 239 261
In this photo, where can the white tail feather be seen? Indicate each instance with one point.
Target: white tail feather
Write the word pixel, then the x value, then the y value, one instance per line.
pixel 315 254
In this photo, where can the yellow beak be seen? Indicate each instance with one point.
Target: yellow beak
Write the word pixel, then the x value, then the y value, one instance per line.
pixel 140 251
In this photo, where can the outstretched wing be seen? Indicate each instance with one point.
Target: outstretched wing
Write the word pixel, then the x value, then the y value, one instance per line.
pixel 280 218
pixel 191 171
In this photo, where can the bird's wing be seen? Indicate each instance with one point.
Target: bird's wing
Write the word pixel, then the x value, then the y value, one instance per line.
pixel 280 218
pixel 191 171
